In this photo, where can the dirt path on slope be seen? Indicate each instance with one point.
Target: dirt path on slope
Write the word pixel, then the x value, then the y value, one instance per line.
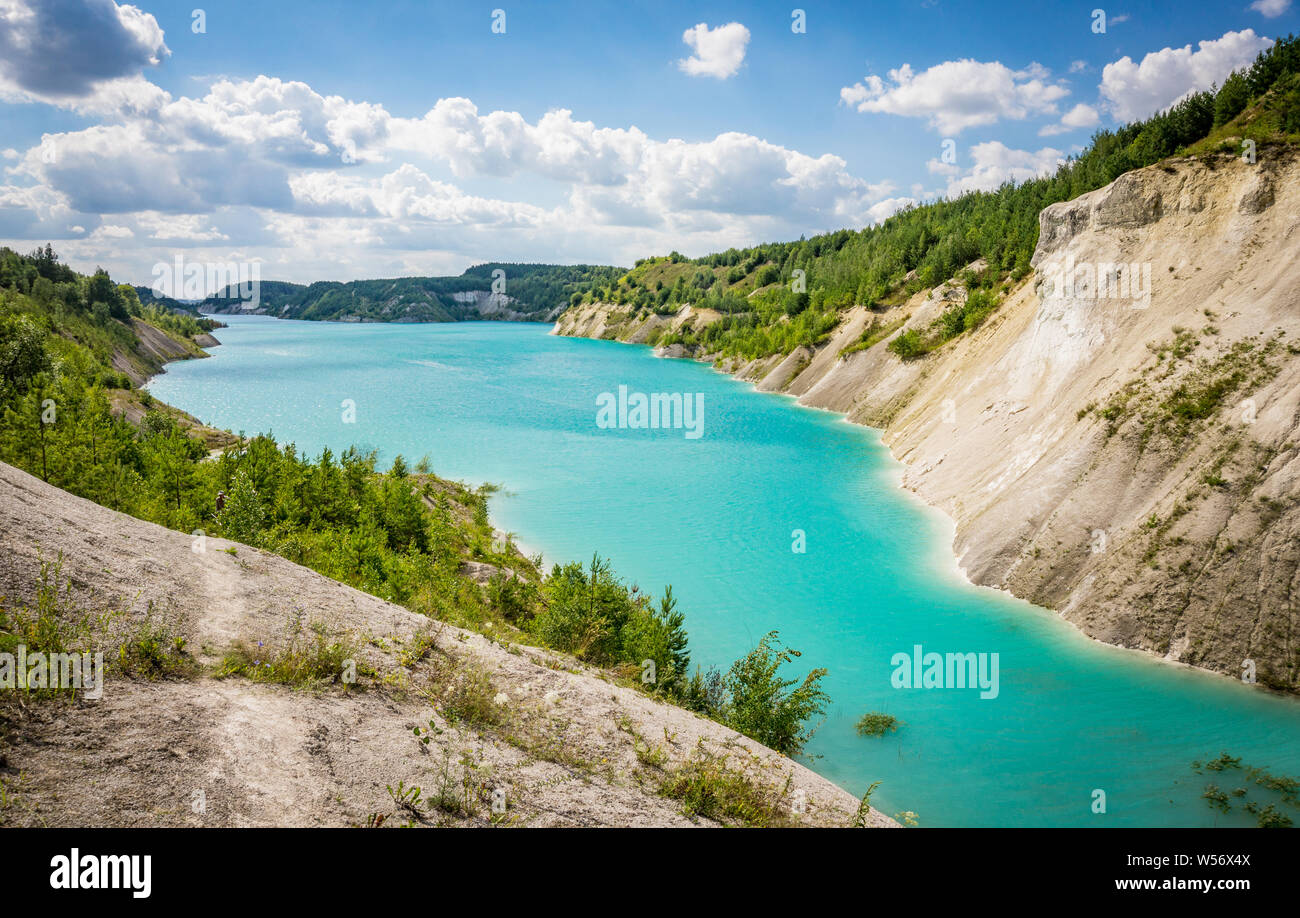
pixel 567 747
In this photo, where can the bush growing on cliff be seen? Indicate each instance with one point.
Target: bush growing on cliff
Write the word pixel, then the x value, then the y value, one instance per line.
pixel 590 613
pixel 707 786
pixel 909 345
pixel 155 651
pixel 768 708
pixel 306 662
pixel 242 517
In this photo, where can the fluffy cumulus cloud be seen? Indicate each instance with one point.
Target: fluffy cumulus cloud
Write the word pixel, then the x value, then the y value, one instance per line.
pixel 1132 91
pixel 1271 9
pixel 272 166
pixel 36 212
pixel 71 51
pixel 957 95
pixel 185 228
pixel 882 210
pixel 408 193
pixel 321 186
pixel 503 143
pixel 625 171
pixel 994 164
pixel 719 52
pixel 1077 118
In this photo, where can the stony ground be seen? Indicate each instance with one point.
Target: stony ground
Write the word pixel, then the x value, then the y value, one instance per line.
pixel 558 742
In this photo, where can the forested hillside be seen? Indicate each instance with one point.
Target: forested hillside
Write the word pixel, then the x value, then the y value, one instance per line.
pixel 523 292
pixel 770 308
pixel 403 535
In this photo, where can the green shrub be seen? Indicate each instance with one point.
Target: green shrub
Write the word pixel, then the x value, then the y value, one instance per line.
pixel 54 624
pixel 242 516
pixel 590 613
pixel 470 697
pixel 909 345
pixel 766 707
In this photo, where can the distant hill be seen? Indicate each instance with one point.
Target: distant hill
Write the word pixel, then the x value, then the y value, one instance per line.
pixel 148 297
pixel 524 292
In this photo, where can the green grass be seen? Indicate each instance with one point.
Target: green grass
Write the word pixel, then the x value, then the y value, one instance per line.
pixel 469 696
pixel 54 623
pixel 1167 402
pixel 706 786
pixel 875 332
pixel 155 652
pixel 306 663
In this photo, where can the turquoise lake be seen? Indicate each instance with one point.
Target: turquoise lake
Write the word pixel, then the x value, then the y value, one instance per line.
pixel 715 517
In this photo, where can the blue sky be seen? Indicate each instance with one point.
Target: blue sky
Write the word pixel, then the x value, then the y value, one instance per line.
pixel 337 140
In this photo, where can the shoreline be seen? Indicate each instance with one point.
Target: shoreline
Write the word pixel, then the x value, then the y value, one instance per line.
pixel 528 549
pixel 945 564
pixel 955 560
pixel 957 567
pixel 949 520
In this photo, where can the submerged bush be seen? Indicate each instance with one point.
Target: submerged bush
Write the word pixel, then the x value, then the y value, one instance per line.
pixel 877 724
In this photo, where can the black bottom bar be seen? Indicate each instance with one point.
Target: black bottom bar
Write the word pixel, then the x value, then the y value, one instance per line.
pixel 584 867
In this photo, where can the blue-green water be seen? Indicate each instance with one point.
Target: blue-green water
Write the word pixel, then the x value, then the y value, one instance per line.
pixel 714 517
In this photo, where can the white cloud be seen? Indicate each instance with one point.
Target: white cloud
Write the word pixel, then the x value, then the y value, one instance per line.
pixel 883 210
pixel 719 52
pixel 1271 9
pixel 179 227
pixel 410 193
pixel 1081 116
pixel 320 186
pixel 112 231
pixel 623 171
pixel 503 143
pixel 994 164
pixel 956 95
pixel 938 167
pixel 65 51
pixel 1078 66
pixel 33 212
pixel 114 169
pixel 1134 91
